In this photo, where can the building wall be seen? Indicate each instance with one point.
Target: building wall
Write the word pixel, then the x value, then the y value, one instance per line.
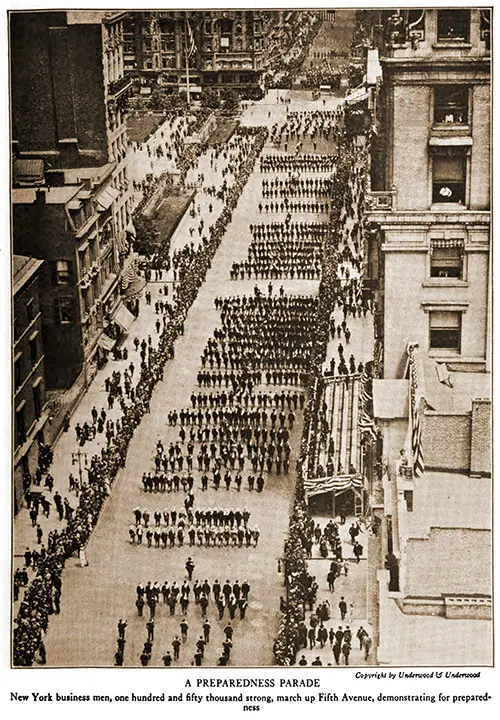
pixel 30 374
pixel 480 156
pixel 31 100
pixel 40 231
pixel 480 463
pixel 57 89
pixel 439 452
pixel 85 44
pixel 451 560
pixel 408 287
pixel 410 147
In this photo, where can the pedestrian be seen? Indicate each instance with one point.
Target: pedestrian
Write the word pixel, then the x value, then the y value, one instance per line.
pixel 342 608
pixel 190 568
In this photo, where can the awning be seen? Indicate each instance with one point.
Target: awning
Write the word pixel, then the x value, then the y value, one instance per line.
pixel 336 483
pixel 106 198
pixel 358 95
pixel 124 318
pixel 122 242
pixel 135 287
pixel 461 141
pixel 130 229
pixel 106 342
pixel 373 67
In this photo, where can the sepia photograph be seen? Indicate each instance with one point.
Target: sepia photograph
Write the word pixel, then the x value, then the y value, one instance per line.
pixel 251 338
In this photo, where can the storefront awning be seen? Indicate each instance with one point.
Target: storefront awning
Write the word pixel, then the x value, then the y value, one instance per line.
pixel 357 96
pixel 106 198
pixel 122 242
pixel 130 229
pixel 135 287
pixel 106 342
pixel 124 318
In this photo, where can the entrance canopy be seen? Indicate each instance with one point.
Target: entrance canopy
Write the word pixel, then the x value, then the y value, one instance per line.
pixel 124 318
pixel 106 342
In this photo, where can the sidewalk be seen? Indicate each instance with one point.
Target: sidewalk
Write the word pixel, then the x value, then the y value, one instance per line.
pixel 352 587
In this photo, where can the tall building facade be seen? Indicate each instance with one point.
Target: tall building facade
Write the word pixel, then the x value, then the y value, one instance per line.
pixel 71 196
pixel 221 49
pixel 30 412
pixel 430 247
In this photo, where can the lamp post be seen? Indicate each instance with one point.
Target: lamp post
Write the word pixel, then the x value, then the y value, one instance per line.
pixel 77 458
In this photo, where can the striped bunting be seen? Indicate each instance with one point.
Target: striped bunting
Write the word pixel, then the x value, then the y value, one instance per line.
pixel 316 486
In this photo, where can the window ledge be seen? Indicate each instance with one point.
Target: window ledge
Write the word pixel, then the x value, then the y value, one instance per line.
pixel 454 127
pixel 447 44
pixel 445 282
pixel 447 305
pixel 449 207
pixel 449 356
pixel 445 354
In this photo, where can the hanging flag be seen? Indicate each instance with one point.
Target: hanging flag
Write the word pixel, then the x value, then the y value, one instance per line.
pixel 338 483
pixel 190 43
pixel 416 404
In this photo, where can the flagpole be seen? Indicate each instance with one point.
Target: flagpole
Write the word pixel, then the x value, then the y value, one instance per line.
pixel 187 60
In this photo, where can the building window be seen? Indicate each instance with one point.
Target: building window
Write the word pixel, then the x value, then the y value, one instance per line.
pixel 34 350
pixel 37 401
pixel 20 426
pixel 453 25
pixel 485 27
pixel 64 310
pixel 30 310
pixel 448 177
pixel 451 104
pixel 445 330
pixel 63 272
pixel 447 262
pixel 18 374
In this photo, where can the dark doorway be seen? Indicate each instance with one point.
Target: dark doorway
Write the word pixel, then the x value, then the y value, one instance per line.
pixel 321 505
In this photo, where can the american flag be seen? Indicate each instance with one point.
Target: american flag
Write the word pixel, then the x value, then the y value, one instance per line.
pixel 317 486
pixel 416 402
pixel 190 43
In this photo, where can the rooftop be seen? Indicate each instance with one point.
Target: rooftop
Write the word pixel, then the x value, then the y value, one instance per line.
pixel 465 386
pixel 74 176
pixel 53 195
pixel 449 500
pixel 23 268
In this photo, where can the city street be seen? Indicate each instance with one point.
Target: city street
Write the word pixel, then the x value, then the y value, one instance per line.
pixel 94 598
pixel 251 338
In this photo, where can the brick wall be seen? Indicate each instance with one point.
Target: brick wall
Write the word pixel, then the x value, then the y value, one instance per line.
pixel 446 441
pixel 480 462
pixel 452 560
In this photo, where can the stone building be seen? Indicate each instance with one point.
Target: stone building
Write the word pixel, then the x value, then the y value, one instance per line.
pixel 29 409
pixel 70 227
pixel 69 145
pixel 430 248
pixel 223 48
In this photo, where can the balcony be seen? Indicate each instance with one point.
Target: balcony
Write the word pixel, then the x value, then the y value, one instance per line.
pixel 380 201
pixel 118 87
